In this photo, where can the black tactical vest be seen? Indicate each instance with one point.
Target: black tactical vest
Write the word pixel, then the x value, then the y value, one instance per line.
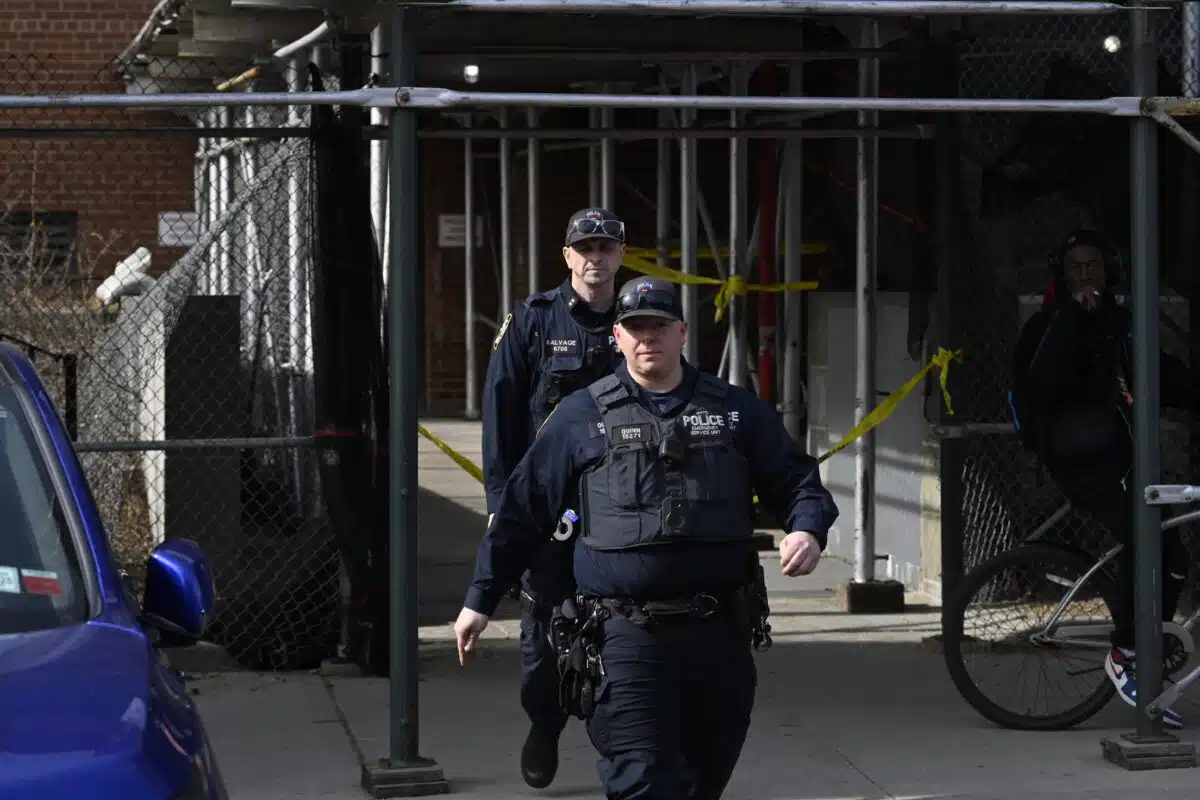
pixel 665 480
pixel 569 355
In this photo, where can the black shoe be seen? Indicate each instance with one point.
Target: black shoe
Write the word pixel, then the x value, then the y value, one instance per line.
pixel 539 758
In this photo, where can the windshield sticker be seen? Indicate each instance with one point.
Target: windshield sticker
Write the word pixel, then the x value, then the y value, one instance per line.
pixel 10 583
pixel 39 582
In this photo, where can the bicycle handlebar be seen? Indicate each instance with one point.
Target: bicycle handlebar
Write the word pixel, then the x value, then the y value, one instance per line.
pixel 1171 494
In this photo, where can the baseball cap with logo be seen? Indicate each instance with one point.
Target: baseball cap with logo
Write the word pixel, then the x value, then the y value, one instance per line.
pixel 649 297
pixel 594 223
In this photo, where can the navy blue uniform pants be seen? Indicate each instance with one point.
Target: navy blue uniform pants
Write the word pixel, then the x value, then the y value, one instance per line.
pixel 545 585
pixel 674 707
pixel 539 669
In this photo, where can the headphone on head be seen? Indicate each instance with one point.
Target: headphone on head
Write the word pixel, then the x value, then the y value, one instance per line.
pixel 1114 262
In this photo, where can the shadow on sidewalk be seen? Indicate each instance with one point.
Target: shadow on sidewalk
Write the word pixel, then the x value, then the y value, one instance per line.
pixel 832 719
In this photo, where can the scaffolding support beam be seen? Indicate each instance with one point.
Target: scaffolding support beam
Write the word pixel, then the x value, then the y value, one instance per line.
pixel 432 97
pixel 779 7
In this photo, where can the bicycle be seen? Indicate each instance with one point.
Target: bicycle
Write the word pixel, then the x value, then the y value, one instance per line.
pixel 1057 562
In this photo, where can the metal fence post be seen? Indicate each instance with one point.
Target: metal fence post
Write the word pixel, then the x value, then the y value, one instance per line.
pixel 1144 284
pixel 404 773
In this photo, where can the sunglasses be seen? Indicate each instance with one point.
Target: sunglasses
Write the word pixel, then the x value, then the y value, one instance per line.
pixel 655 299
pixel 593 227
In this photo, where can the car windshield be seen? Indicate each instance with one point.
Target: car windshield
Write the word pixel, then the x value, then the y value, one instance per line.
pixel 41 585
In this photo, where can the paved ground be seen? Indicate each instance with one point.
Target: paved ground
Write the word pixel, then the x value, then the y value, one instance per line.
pixel 848 707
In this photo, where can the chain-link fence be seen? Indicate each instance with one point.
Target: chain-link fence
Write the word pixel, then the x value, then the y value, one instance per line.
pixel 1025 182
pixel 158 264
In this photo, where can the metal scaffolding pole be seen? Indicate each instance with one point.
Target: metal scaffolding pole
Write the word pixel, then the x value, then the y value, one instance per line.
pixel 595 172
pixel 1144 288
pixel 738 264
pixel 379 159
pixel 688 240
pixel 864 316
pixel 533 171
pixel 781 7
pixel 432 97
pixel 662 206
pixel 470 384
pixel 793 270
pixel 640 134
pixel 608 159
pixel 506 280
pixel 404 772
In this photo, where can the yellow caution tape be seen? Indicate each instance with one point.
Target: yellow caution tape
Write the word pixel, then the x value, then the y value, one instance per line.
pixel 940 362
pixel 455 456
pixel 730 287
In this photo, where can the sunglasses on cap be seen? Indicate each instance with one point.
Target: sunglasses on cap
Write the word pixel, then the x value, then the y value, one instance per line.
pixel 655 299
pixel 599 227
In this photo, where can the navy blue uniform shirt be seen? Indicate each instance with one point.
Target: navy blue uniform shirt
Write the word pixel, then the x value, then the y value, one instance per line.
pixel 551 332
pixel 546 482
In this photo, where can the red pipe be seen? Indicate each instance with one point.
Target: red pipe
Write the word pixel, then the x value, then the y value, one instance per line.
pixel 768 193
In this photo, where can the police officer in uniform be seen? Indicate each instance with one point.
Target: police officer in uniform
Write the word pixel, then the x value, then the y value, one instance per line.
pixel 555 343
pixel 662 463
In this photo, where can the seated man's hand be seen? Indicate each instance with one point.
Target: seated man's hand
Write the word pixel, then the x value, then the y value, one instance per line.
pixel 467 628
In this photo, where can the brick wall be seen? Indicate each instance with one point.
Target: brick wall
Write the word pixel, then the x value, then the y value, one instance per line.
pixel 116 184
pixel 562 190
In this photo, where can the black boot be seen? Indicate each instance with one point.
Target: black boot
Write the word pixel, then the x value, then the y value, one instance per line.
pixel 539 758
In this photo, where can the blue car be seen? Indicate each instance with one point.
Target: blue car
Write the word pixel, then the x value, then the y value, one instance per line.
pixel 88 706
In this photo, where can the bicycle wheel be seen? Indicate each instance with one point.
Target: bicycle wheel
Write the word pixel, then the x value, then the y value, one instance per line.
pixel 1027 584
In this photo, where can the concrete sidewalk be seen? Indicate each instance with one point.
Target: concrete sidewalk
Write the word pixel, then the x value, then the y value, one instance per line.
pixel 848 707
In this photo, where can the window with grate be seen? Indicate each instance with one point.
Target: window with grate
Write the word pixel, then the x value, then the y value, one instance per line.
pixel 53 236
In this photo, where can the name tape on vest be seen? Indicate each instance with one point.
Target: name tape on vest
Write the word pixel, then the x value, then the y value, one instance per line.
pixel 630 434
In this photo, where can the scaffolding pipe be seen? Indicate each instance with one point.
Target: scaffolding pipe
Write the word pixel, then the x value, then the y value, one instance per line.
pixel 533 168
pixel 595 171
pixel 793 270
pixel 781 7
pixel 608 165
pixel 640 134
pixel 430 97
pixel 662 205
pixel 379 157
pixel 768 196
pixel 472 389
pixel 738 175
pixel 864 316
pixel 688 240
pixel 212 267
pixel 506 279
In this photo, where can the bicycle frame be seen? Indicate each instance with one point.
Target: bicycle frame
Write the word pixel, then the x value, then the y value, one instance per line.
pixel 1096 636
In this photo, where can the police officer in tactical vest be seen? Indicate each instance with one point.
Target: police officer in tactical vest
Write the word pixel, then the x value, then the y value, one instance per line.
pixel 655 649
pixel 555 343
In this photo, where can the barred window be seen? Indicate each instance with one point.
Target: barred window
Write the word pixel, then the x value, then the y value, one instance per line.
pixel 40 242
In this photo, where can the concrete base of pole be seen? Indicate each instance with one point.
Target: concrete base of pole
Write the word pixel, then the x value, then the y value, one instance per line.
pixel 1134 752
pixel 419 778
pixel 872 597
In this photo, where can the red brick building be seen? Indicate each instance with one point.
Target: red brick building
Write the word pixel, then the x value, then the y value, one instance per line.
pixel 90 185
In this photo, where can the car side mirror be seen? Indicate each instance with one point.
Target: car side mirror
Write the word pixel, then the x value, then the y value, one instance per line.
pixel 179 593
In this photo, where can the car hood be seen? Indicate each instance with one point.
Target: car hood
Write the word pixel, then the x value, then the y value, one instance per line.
pixel 84 712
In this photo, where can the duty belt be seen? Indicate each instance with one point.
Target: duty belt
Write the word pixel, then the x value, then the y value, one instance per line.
pixel 698 606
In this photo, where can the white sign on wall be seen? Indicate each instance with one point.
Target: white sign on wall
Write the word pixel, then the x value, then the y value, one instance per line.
pixel 178 228
pixel 452 230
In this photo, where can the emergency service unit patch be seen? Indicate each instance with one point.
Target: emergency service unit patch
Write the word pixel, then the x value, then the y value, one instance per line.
pixel 594 215
pixel 644 286
pixel 704 424
pixel 503 330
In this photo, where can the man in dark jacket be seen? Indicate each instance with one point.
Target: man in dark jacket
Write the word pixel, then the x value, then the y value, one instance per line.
pixel 1072 395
